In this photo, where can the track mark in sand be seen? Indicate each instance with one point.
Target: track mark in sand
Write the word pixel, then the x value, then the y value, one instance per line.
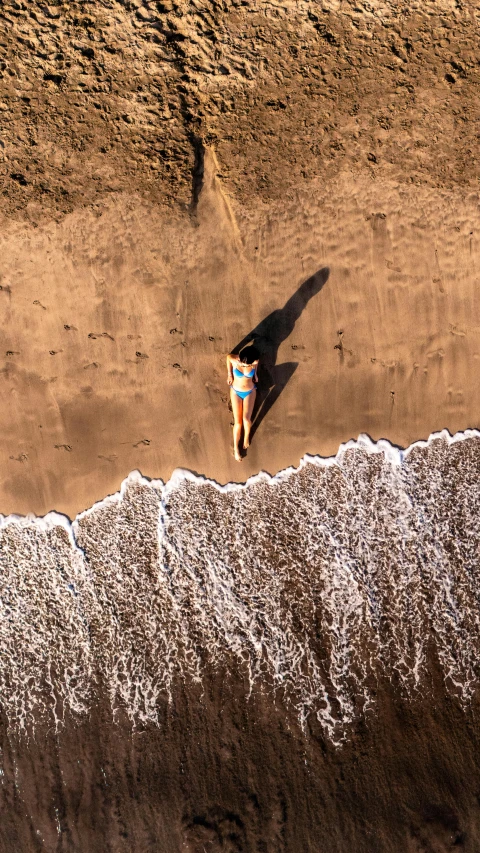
pixel 141 354
pixel 144 441
pixel 21 458
pixel 390 266
pixel 439 282
pixel 67 447
pixel 176 331
pixel 11 352
pixel 375 217
pixel 37 302
pixel 6 288
pixel 70 328
pixel 215 830
pixel 455 331
pixel 92 364
pixel 110 458
pixel 95 335
pixel 391 363
pixel 54 351
pixel 340 346
pixel 217 391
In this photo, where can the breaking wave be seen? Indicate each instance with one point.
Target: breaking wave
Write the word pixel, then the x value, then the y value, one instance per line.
pixel 311 585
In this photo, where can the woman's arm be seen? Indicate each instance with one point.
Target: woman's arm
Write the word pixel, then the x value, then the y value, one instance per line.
pixel 229 370
pixel 255 378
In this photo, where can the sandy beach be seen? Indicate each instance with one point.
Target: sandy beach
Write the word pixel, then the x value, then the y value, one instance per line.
pixel 116 325
pixel 173 176
pixel 291 665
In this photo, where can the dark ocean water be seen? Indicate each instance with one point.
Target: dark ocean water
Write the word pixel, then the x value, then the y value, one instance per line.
pixel 302 593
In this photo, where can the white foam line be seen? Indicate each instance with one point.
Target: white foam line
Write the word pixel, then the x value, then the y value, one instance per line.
pixel 44 523
pixel 134 478
pixel 394 454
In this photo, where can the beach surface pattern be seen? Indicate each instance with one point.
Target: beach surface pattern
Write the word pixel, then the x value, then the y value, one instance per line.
pixel 315 598
pixel 173 174
pixel 254 657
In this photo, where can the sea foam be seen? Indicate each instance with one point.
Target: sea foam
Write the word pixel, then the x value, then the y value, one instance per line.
pixel 310 585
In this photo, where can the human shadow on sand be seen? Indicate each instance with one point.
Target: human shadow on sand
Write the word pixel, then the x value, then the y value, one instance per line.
pixel 267 337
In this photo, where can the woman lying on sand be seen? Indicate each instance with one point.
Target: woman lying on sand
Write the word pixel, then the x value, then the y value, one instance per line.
pixel 243 378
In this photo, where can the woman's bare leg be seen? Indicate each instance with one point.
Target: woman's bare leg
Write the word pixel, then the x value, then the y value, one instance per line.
pixel 248 405
pixel 237 409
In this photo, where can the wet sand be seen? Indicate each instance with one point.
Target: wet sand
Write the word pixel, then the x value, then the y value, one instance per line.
pixel 116 323
pixel 173 175
pixel 290 667
pixel 241 777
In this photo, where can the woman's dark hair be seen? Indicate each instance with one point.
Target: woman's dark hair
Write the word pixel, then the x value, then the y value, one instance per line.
pixel 248 355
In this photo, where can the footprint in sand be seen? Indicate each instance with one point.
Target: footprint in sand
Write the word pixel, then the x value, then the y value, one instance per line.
pixel 141 355
pixel 66 447
pixel 340 346
pixel 144 441
pixel 217 391
pixel 70 328
pixel 390 266
pixel 95 335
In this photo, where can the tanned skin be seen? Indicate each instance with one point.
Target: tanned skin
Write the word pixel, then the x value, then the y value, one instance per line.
pixel 242 409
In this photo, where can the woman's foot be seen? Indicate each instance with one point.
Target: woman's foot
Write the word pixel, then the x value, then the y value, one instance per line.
pixel 237 454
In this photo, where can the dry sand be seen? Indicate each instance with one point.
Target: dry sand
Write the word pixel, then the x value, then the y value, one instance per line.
pixel 172 173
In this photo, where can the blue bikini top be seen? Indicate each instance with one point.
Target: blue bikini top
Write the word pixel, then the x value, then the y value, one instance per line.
pixel 238 372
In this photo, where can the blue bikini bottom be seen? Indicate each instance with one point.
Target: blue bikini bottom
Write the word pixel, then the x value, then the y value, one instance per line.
pixel 243 394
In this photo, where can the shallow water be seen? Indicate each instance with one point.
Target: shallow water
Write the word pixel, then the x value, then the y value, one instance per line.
pixel 312 585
